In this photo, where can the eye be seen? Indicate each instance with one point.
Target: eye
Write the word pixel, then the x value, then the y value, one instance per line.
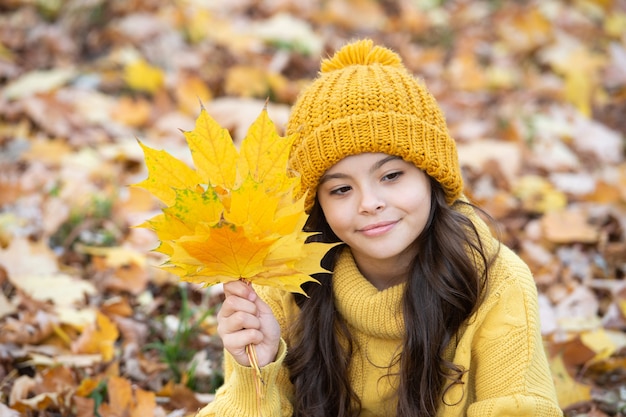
pixel 340 190
pixel 392 176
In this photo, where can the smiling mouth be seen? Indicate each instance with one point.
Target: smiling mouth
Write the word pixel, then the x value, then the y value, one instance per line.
pixel 377 229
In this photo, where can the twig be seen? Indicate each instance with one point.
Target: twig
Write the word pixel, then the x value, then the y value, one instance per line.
pixel 254 363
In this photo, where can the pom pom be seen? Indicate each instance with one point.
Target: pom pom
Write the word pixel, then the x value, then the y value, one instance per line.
pixel 362 52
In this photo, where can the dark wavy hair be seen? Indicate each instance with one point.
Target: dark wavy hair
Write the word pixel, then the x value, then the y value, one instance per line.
pixel 444 288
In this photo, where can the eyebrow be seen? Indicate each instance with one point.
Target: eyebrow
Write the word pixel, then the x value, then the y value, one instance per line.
pixel 374 167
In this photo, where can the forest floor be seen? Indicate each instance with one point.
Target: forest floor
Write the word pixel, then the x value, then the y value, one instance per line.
pixel 533 91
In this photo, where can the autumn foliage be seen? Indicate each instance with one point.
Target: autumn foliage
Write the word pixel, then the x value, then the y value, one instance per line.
pixel 236 216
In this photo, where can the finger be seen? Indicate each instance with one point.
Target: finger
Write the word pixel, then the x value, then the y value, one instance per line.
pixel 233 304
pixel 236 342
pixel 236 322
pixel 240 289
pixel 262 307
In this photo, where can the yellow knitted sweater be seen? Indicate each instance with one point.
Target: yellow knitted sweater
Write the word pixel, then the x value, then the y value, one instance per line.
pixel 500 346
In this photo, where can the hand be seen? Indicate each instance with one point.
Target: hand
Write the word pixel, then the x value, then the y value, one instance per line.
pixel 245 319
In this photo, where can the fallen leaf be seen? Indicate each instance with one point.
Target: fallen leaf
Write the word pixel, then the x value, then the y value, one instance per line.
pixel 182 397
pixel 27 328
pixel 568 390
pixel 24 257
pixel 247 81
pixel 526 29
pixel 36 403
pixel 76 316
pixel 144 405
pixel 507 155
pixel 191 90
pixel 100 337
pixel 61 289
pixel 139 75
pixel 58 379
pixel 568 226
pixel 289 32
pixel 118 306
pixel 5 411
pixel 601 343
pixel 38 81
pixel 126 401
pixel 615 24
pixel 84 406
pixel 595 139
pixel 135 112
pixel 120 395
pixel 22 387
pixel 6 306
pixel 73 361
pixel 353 15
pixel 47 151
pixel 115 256
pixel 579 67
pixel 465 72
pixel 538 195
pixel 578 311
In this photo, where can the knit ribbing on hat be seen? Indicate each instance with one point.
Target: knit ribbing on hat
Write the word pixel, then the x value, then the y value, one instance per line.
pixel 364 100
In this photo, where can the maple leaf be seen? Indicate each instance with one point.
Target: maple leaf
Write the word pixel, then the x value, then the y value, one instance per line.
pixel 100 338
pixel 141 76
pixel 166 174
pixel 124 400
pixel 213 151
pixel 235 214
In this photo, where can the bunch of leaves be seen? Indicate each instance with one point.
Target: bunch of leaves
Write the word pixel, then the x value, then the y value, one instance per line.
pixel 236 215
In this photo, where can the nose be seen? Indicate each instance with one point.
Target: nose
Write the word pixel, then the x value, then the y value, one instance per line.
pixel 371 202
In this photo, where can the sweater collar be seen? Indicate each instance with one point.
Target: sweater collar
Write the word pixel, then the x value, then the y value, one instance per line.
pixel 379 313
pixel 365 308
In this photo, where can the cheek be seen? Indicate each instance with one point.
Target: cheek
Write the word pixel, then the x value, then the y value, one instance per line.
pixel 422 211
pixel 417 204
pixel 336 214
pixel 333 216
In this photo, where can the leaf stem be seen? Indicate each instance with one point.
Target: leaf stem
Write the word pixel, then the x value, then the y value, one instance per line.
pixel 258 380
pixel 254 363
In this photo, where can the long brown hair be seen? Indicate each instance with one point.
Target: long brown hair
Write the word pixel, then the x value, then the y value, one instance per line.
pixel 444 288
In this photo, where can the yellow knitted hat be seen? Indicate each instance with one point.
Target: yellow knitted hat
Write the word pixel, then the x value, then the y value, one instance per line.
pixel 365 100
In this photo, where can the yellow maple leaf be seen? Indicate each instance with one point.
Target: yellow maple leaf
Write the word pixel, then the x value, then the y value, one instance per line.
pixel 251 208
pixel 213 151
pixel 166 174
pixel 264 154
pixel 568 390
pixel 126 400
pixel 141 76
pixel 580 68
pixel 193 206
pixel 99 338
pixel 236 215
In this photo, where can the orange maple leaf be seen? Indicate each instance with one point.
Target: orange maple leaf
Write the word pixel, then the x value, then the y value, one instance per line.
pixel 126 401
pixel 99 337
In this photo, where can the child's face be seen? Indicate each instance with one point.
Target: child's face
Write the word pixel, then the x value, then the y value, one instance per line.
pixel 378 205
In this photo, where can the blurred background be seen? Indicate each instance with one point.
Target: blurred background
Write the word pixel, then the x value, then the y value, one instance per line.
pixel 533 91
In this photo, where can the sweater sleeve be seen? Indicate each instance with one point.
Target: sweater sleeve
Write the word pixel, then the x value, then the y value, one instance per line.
pixel 237 396
pixel 510 368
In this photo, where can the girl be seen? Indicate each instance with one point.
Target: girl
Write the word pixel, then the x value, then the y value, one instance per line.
pixel 424 313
